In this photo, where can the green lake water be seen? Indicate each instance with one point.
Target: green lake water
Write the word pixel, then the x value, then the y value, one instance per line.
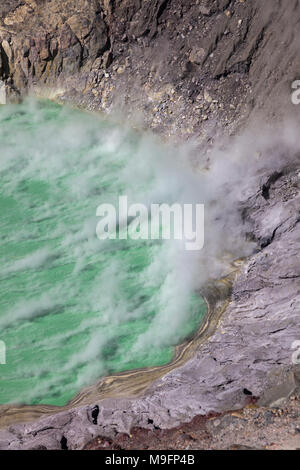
pixel 74 308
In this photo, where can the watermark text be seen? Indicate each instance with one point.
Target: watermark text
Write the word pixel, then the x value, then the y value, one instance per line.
pixel 162 221
pixel 2 353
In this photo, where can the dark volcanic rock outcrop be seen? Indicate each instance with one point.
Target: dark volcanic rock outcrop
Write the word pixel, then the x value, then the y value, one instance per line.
pixel 42 41
pixel 187 67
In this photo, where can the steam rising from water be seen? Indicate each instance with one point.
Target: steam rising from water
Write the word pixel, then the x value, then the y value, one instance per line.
pixel 74 308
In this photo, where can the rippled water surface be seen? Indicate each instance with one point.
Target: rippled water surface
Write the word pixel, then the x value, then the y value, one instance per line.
pixel 74 308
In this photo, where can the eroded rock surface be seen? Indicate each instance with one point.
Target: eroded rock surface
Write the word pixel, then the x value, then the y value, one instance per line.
pixel 251 428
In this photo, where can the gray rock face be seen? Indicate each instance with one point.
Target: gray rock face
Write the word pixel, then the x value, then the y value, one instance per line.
pixel 250 353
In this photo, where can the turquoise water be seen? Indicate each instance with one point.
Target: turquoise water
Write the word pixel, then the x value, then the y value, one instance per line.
pixel 72 307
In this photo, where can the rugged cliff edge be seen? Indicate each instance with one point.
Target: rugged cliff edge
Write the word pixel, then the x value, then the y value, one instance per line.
pixel 188 69
pixel 182 67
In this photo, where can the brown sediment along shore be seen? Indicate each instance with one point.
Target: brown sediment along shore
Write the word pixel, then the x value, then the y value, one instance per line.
pixel 134 383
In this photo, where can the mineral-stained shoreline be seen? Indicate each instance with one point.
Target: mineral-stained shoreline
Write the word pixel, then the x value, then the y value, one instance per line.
pixel 185 69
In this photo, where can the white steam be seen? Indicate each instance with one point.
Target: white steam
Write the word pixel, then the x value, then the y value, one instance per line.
pixel 91 162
